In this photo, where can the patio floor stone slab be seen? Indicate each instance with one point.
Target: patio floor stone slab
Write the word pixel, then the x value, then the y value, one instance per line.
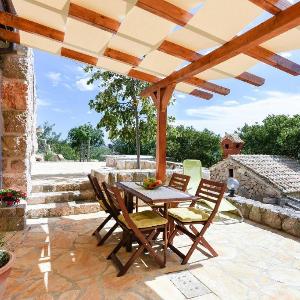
pixel 57 259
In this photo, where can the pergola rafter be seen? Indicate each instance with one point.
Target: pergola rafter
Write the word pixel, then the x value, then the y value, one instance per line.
pixel 282 22
pixel 259 53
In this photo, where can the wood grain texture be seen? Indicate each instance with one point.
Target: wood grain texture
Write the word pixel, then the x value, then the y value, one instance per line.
pixel 30 26
pixel 79 56
pixel 92 18
pixel 166 10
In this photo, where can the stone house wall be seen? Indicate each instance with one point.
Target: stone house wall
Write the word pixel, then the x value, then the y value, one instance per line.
pixel 251 185
pixel 18 111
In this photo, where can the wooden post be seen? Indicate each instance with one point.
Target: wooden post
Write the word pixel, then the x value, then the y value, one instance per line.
pixel 161 99
pixel 161 145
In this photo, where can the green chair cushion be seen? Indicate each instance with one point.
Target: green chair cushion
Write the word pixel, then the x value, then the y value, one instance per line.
pixel 145 219
pixel 188 214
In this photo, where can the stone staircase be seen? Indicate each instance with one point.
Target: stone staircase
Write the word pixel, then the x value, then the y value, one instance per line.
pixel 57 196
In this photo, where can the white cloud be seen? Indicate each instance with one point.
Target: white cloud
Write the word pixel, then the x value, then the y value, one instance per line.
pixel 181 96
pixel 228 118
pixel 82 85
pixel 55 77
pixel 250 98
pixel 42 102
pixel 230 102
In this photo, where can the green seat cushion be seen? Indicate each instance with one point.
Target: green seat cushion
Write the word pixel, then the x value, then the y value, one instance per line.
pixel 188 214
pixel 145 219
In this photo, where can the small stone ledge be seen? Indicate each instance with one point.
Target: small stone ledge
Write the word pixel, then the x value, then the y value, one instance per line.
pixel 12 218
pixel 277 217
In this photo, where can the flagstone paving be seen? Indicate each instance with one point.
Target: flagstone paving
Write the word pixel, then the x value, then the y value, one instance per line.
pixel 57 258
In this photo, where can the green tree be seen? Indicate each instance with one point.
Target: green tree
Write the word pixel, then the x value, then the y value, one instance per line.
pixel 128 118
pixel 189 143
pixel 64 148
pixel 83 137
pixel 277 135
pixel 47 136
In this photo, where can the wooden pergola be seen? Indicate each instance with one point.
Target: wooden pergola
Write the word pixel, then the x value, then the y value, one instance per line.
pixel 173 44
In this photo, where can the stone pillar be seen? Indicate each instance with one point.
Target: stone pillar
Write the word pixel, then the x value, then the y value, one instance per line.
pixel 18 113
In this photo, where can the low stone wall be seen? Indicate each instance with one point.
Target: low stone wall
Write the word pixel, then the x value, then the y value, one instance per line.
pixel 111 160
pixel 280 218
pixel 113 176
pixel 12 218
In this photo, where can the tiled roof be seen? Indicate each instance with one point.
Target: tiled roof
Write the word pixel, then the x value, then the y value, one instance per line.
pixel 282 171
pixel 233 137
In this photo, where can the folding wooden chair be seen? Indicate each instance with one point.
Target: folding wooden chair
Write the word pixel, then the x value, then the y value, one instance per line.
pixel 140 226
pixel 105 206
pixel 188 216
pixel 179 181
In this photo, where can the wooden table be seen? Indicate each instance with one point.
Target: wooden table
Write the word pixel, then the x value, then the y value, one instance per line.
pixel 164 196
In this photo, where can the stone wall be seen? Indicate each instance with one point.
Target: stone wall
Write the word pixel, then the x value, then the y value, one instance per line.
pixel 285 219
pixel 251 185
pixel 113 176
pixel 18 108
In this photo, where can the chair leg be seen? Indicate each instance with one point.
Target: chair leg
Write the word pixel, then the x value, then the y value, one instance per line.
pixel 108 234
pixel 119 246
pixel 205 243
pixel 143 244
pixel 101 226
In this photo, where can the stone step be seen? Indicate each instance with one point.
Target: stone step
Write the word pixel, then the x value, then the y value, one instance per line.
pixel 61 209
pixel 58 197
pixel 60 184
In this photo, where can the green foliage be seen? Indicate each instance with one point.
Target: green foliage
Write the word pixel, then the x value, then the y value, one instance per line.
pixel 4 258
pixel 188 143
pixel 277 135
pixel 129 119
pixel 65 149
pixel 100 152
pixel 129 147
pixel 47 136
pixel 84 134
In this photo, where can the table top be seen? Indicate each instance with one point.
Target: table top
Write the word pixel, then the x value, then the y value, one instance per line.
pixel 163 194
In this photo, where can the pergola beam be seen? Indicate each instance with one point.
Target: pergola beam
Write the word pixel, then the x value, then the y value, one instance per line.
pixel 166 10
pixel 190 55
pixel 272 6
pixel 92 18
pixel 30 26
pixel 88 59
pixel 258 53
pixel 274 26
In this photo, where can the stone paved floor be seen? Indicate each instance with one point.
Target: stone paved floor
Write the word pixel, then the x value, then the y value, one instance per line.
pixel 58 259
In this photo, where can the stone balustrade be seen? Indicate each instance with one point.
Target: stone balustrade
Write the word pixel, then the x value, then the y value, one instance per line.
pixel 274 216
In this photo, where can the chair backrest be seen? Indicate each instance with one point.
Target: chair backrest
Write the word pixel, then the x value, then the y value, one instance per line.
pixel 115 198
pixel 179 181
pixel 96 187
pixel 211 191
pixel 193 168
pixel 112 194
pixel 99 192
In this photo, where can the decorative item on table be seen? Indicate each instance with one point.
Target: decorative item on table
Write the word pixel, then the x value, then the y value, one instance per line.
pixel 151 183
pixel 232 185
pixel 10 197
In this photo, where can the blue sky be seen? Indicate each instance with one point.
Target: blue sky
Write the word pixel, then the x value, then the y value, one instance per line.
pixel 63 97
